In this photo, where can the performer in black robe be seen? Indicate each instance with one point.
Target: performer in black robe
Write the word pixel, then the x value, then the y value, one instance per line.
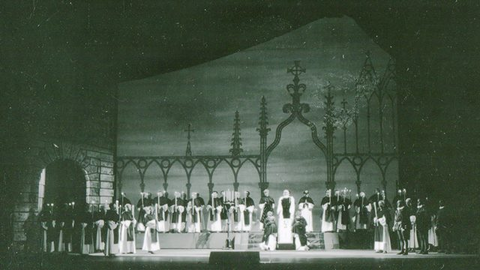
pixel 84 230
pixel 47 221
pixel 299 229
pixel 111 231
pixel 266 204
pixel 402 226
pixel 269 233
pixel 423 222
pixel 328 218
pixel 399 196
pixel 68 227
pixel 444 227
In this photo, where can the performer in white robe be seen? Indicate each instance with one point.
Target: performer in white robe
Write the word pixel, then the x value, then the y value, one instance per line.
pixel 111 232
pixel 161 204
pixel 245 210
pixel 99 225
pixel 194 211
pixel 285 211
pixel 305 206
pixel 214 208
pixel 328 217
pixel 150 240
pixel 177 209
pixel 381 221
pixel 127 230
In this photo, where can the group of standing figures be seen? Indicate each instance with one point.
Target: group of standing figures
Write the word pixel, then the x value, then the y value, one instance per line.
pixel 112 228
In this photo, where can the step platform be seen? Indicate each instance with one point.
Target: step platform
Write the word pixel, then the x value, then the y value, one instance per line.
pixel 204 240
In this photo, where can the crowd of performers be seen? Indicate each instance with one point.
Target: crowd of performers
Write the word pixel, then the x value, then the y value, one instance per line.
pixel 112 228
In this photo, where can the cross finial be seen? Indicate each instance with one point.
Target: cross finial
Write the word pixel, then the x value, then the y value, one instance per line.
pixel 296 69
pixel 189 147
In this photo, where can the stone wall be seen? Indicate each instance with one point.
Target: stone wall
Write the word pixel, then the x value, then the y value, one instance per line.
pixel 97 164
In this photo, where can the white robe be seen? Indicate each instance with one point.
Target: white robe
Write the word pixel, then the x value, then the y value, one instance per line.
pixel 326 226
pixel 306 212
pixel 215 225
pixel 84 248
pixel 192 226
pixel 126 246
pixel 180 224
pixel 163 225
pixel 148 244
pixel 285 224
pixel 99 245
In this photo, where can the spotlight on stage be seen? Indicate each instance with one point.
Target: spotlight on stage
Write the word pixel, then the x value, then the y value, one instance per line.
pixel 234 259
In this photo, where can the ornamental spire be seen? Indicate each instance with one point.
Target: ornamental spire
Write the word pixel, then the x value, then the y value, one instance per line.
pixel 236 139
pixel 188 152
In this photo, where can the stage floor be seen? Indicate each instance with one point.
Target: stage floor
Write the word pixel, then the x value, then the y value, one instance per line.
pixel 199 259
pixel 280 256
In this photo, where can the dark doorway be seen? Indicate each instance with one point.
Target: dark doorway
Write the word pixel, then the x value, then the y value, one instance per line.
pixel 65 183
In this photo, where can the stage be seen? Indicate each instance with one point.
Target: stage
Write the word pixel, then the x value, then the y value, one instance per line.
pixel 199 259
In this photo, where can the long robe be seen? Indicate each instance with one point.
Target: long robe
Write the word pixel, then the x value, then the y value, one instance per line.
pixel 111 233
pixel 177 208
pixel 195 214
pixel 243 218
pixel 150 239
pixel 61 220
pixel 305 206
pixel 286 212
pixel 48 230
pixel 99 229
pixel 361 213
pixel 382 239
pixel 266 205
pixel 343 213
pixel 328 217
pixel 141 205
pixel 215 207
pixel 84 228
pixel 163 224
pixel 127 233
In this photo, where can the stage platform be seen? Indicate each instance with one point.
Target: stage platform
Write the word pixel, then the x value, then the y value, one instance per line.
pixel 199 259
pixel 242 241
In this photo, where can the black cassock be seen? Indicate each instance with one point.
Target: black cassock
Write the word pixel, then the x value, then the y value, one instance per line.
pixel 299 227
pixel 198 202
pixel 141 206
pixel 345 213
pixel 269 202
pixel 162 201
pixel 329 213
pixel 176 215
pixel 269 228
pixel 362 203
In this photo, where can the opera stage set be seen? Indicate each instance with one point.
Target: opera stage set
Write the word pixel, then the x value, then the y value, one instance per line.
pixel 198 123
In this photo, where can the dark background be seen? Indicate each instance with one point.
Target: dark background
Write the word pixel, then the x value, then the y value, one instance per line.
pixel 61 61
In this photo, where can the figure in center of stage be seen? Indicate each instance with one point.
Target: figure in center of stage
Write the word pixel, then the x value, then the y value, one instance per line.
pixel 305 205
pixel 285 211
